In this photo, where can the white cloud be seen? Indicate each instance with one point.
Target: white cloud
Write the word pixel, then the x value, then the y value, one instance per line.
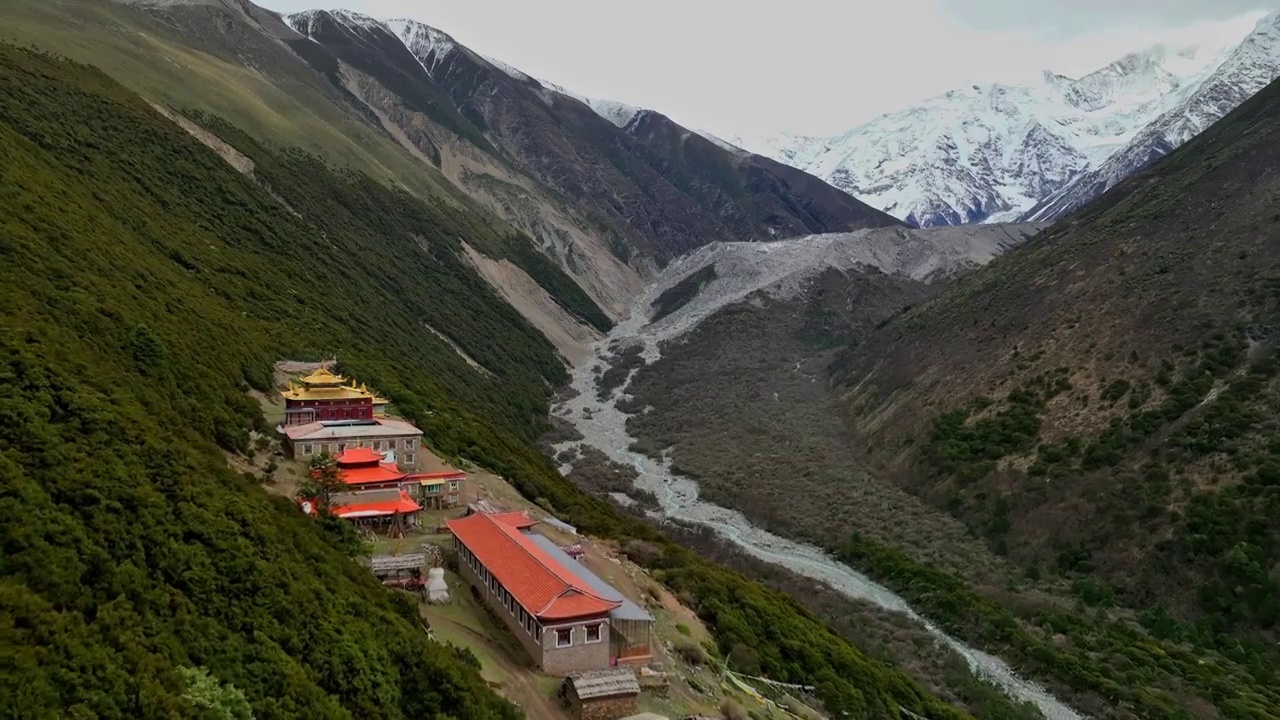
pixel 809 66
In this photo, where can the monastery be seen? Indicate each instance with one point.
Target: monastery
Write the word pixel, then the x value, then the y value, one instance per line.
pixel 378 457
pixel 325 396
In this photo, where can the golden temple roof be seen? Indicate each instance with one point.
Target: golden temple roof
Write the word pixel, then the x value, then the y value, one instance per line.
pixel 325 393
pixel 322 376
pixel 325 385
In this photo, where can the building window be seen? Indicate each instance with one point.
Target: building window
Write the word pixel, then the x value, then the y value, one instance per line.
pixel 564 637
pixel 537 633
pixel 434 488
pixel 454 485
pixel 306 449
pixel 410 443
pixel 593 633
pixel 408 458
pixel 377 444
pixel 342 447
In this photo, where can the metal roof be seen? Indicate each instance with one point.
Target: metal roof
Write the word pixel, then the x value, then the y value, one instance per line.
pixel 392 563
pixel 626 611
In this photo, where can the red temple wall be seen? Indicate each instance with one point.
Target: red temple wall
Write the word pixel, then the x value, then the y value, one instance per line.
pixel 356 409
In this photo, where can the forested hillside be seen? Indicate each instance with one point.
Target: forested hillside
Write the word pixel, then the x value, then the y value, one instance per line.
pixel 1099 406
pixel 146 285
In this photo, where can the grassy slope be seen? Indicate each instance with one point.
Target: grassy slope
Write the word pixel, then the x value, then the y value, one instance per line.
pixel 263 88
pixel 275 96
pixel 1098 405
pixel 146 284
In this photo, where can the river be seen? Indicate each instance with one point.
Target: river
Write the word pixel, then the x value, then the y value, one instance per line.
pixel 604 427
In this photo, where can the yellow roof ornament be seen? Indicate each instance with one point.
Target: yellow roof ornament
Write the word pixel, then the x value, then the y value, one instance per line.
pixel 322 376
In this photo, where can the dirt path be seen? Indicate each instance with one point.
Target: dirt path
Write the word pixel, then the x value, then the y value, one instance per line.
pixel 520 688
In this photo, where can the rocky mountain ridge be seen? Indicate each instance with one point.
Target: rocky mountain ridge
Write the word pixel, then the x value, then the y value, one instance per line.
pixel 407 103
pixel 620 160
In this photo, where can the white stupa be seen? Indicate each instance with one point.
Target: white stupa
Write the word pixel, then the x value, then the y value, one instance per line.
pixel 437 590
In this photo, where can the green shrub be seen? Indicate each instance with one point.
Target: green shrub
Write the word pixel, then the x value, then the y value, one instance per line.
pixel 1115 390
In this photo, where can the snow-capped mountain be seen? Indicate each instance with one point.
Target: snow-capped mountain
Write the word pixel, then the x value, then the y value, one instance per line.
pixel 618 113
pixel 431 46
pixel 993 153
pixel 1247 69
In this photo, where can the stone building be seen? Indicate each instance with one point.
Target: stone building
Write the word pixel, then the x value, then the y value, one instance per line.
pixel 559 620
pixel 385 435
pixel 601 694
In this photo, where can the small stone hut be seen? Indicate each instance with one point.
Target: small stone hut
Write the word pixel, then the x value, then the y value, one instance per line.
pixel 601 694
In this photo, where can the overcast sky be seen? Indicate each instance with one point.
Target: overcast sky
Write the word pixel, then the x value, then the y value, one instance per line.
pixel 810 66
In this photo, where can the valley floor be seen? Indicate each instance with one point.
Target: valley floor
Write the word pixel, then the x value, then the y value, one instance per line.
pixel 741 405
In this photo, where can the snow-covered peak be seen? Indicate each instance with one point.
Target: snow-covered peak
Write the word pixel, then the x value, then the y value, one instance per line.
pixel 988 152
pixel 562 90
pixel 723 144
pixel 431 46
pixel 357 19
pixel 302 22
pixel 620 114
pixel 617 113
pixel 305 22
pixel 514 72
pixel 428 45
pixel 1263 42
pixel 1138 77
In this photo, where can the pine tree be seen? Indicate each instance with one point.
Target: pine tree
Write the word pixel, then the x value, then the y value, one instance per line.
pixel 324 481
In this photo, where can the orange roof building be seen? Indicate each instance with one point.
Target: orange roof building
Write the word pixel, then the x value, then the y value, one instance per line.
pixel 375 504
pixel 443 489
pixel 562 621
pixel 370 507
pixel 364 467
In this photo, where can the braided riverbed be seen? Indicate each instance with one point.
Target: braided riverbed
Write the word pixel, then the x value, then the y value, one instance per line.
pixel 603 426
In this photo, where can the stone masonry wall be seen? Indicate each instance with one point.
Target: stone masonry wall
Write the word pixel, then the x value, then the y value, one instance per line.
pixel 606 709
pixel 579 656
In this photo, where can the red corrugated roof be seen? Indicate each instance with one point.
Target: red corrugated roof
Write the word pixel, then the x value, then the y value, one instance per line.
pixel 517 519
pixel 384 472
pixel 359 456
pixel 402 504
pixel 537 581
